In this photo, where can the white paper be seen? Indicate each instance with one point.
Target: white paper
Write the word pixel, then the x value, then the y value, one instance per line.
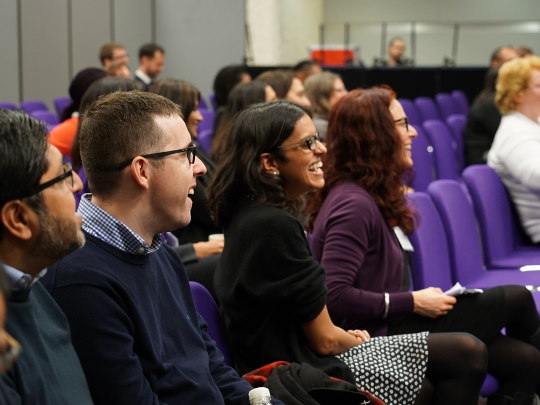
pixel 458 289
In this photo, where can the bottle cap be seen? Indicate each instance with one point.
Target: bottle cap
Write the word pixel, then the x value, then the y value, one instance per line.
pixel 258 393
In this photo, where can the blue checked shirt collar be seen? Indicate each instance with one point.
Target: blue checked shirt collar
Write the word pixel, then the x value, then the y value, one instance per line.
pixel 110 230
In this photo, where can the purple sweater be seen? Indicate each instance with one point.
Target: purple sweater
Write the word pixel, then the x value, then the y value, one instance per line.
pixel 362 259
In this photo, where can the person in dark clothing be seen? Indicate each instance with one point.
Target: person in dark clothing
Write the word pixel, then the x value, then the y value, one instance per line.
pixel 38 226
pixel 483 121
pixel 272 291
pixel 125 293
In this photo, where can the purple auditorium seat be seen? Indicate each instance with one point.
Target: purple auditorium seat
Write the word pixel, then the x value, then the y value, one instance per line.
pixel 33 105
pixel 410 111
pixel 8 106
pixel 202 104
pixel 462 101
pixel 447 105
pixel 464 246
pixel 208 120
pixel 427 109
pixel 60 104
pixel 208 309
pixel 212 98
pixel 204 139
pixel 498 223
pixel 422 156
pixel 444 149
pixel 46 116
pixel 430 259
pixel 456 123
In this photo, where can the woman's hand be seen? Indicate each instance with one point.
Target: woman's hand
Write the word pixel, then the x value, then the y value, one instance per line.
pixel 361 335
pixel 204 249
pixel 432 302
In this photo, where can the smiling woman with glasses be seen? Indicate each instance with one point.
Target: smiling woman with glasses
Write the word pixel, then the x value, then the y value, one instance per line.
pixel 360 219
pixel 272 294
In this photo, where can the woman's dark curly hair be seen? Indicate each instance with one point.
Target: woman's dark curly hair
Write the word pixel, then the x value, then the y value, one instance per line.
pixel 364 146
pixel 239 176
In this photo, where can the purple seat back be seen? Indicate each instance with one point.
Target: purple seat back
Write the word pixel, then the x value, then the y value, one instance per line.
pixel 410 110
pixel 501 237
pixel 208 309
pixel 8 106
pixel 457 216
pixel 447 105
pixel 205 140
pixel 422 156
pixel 430 259
pixel 46 116
pixel 427 108
pixel 456 123
pixel 33 105
pixel 444 149
pixel 203 104
pixel 60 104
pixel 212 99
pixel 208 120
pixel 462 102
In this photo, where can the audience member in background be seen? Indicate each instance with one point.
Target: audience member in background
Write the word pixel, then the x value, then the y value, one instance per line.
pixel 483 120
pixel 524 51
pixel 272 291
pixel 305 68
pixel 501 55
pixel 38 226
pixel 323 90
pixel 62 135
pixel 113 52
pixel 125 293
pixel 396 51
pixel 199 254
pixel 286 86
pixel 369 150
pixel 242 96
pixel 515 153
pixel 118 69
pixel 97 89
pixel 151 62
pixel 224 82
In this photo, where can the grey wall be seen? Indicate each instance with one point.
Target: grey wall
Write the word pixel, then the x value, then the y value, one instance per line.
pixel 484 25
pixel 44 43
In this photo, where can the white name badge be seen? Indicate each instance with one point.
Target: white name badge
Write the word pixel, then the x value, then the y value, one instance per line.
pixel 403 239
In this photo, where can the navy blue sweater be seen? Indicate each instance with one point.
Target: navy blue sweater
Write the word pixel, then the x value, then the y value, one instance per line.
pixel 136 330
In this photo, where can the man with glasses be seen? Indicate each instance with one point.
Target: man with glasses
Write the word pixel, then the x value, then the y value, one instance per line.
pixel 38 226
pixel 125 293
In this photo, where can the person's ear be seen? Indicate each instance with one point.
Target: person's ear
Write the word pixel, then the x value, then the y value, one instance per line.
pixel 139 170
pixel 269 164
pixel 18 219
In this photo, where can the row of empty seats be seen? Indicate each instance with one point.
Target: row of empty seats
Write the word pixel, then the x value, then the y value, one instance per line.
pixel 438 151
pixel 469 233
pixel 40 110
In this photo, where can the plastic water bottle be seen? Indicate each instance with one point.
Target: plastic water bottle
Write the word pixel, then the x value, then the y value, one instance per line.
pixel 260 396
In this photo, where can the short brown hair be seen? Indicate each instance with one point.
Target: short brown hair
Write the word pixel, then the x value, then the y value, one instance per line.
pixel 106 51
pixel 117 127
pixel 513 80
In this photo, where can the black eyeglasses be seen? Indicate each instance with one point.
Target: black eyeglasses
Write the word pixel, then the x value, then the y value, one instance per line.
pixel 190 151
pixel 405 121
pixel 66 176
pixel 309 143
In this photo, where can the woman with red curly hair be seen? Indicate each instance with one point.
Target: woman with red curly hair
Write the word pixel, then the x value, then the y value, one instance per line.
pixel 361 215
